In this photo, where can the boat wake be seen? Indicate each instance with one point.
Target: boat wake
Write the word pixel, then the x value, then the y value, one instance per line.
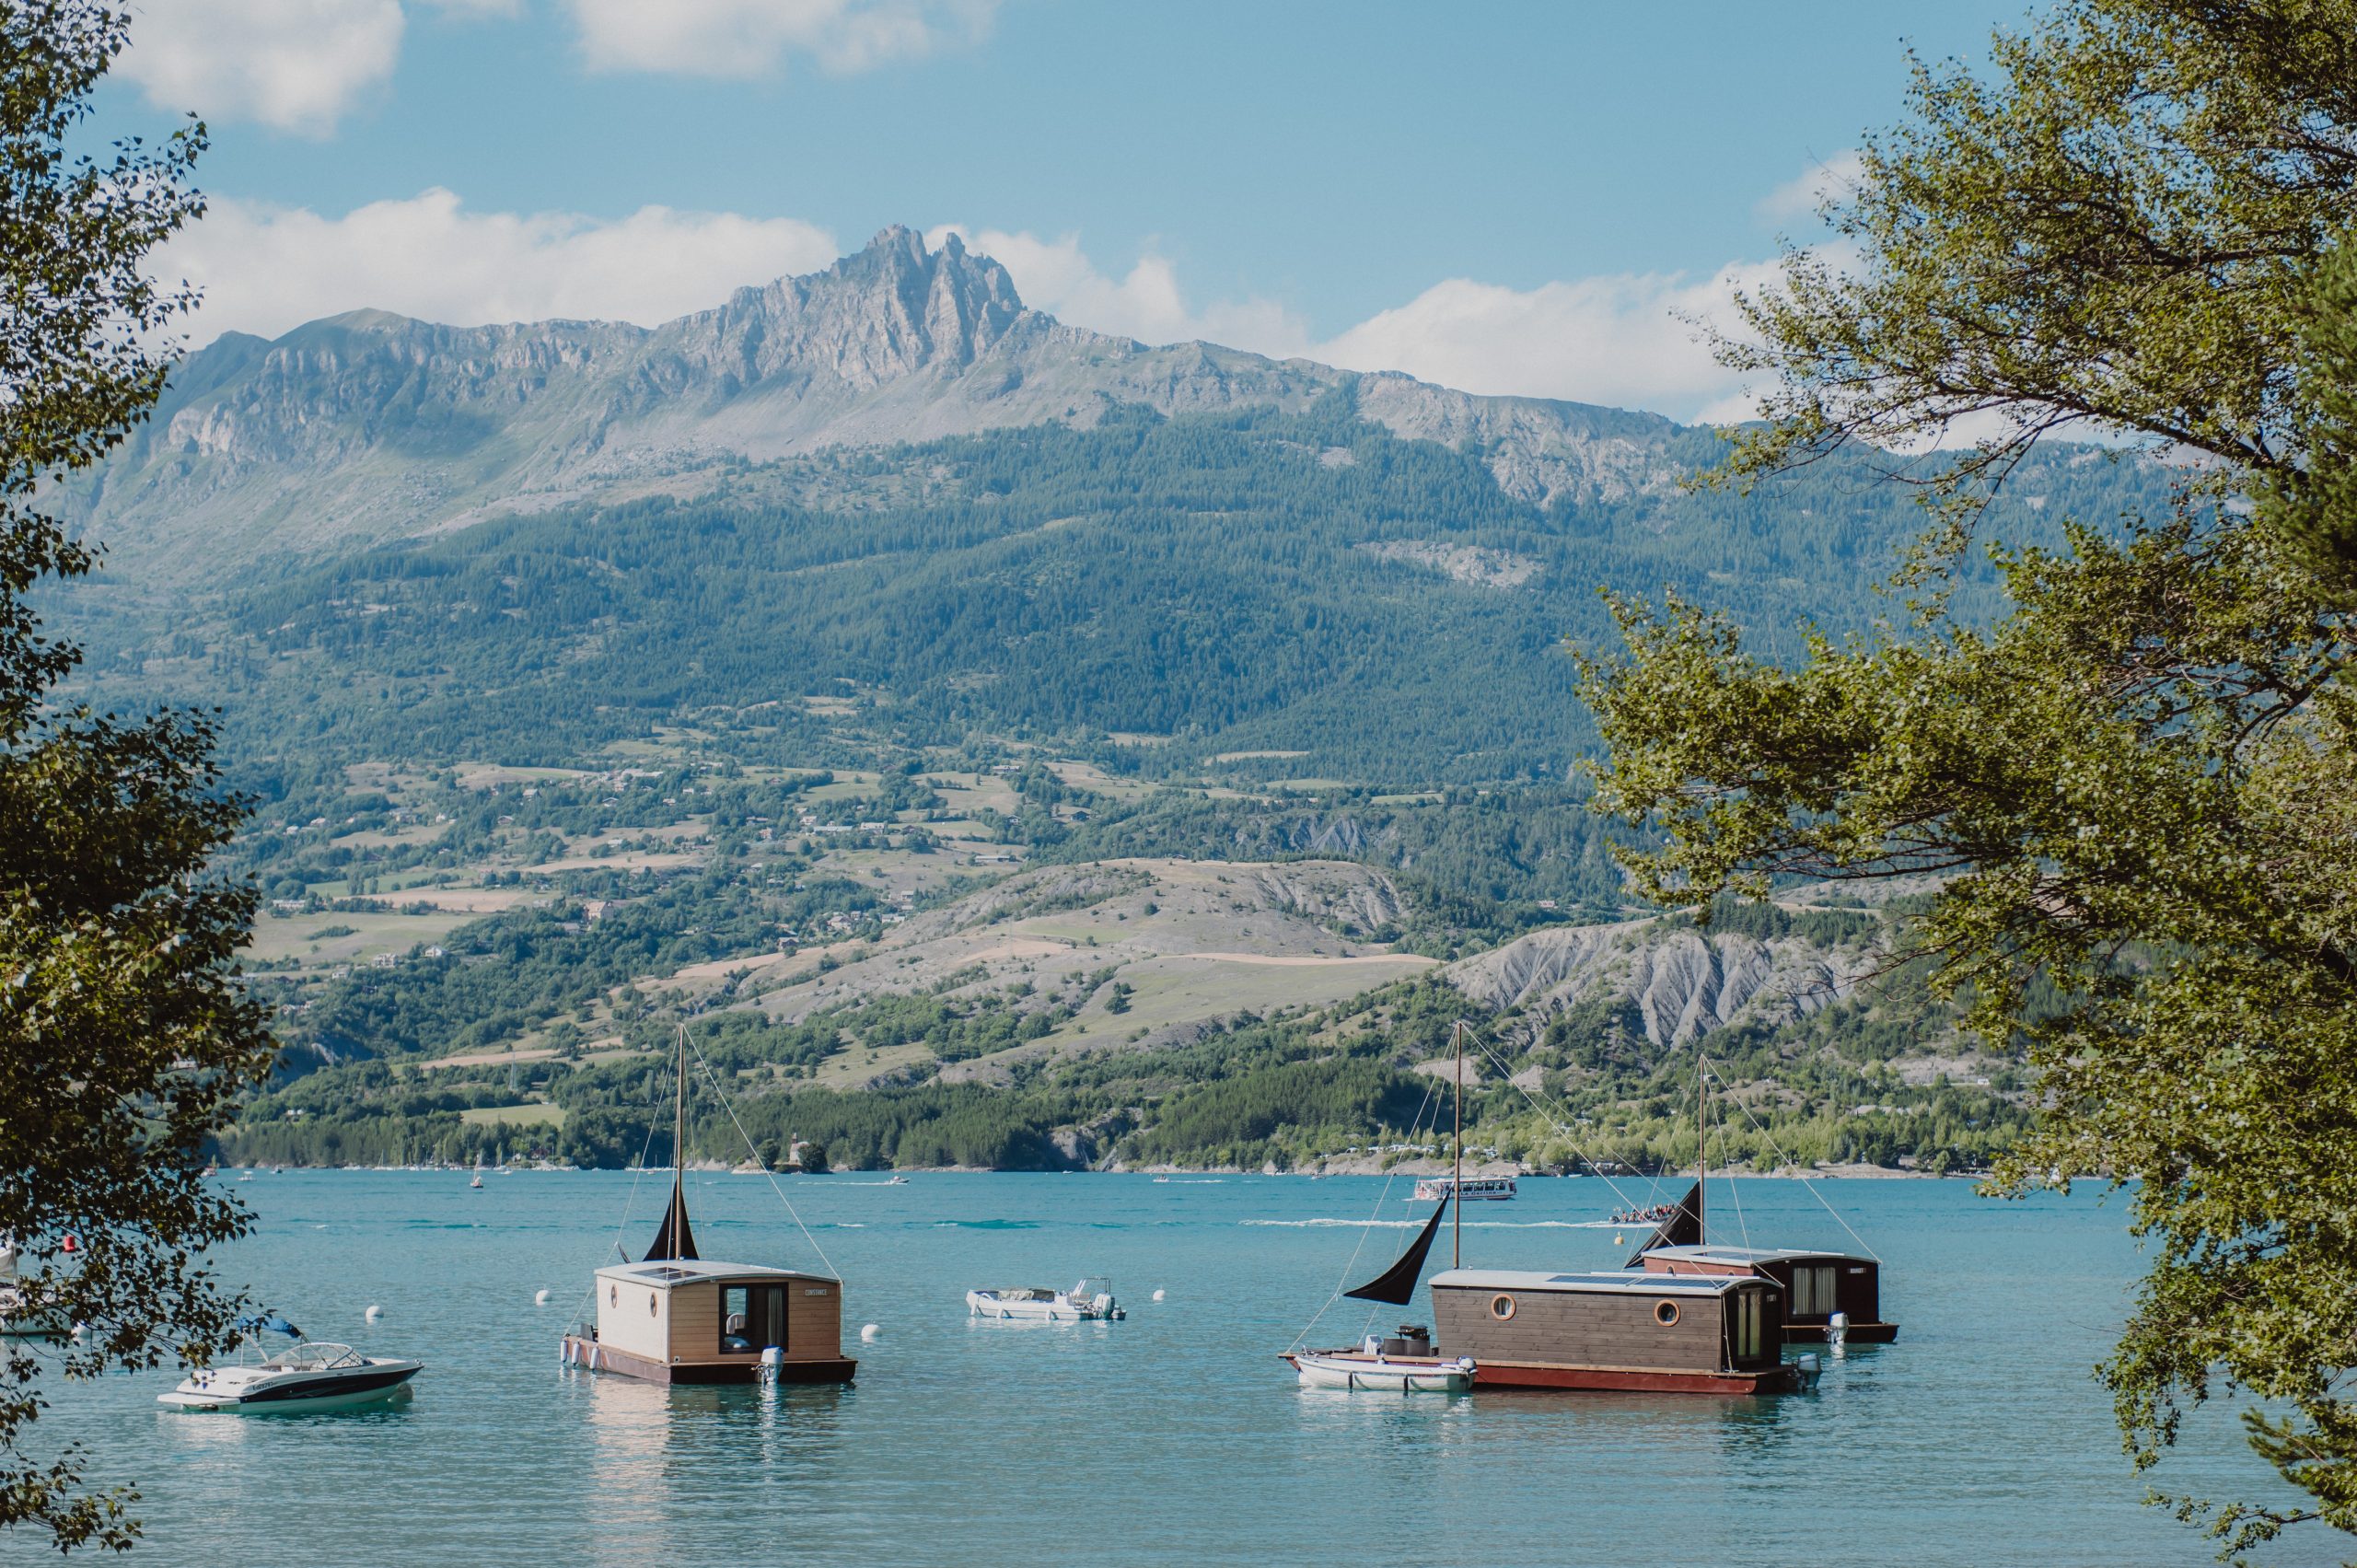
pixel 1412 1224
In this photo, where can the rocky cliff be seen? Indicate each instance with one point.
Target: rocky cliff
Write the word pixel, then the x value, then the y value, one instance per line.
pixel 1685 983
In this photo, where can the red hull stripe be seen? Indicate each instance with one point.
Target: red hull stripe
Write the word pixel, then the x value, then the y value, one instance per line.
pixel 1509 1374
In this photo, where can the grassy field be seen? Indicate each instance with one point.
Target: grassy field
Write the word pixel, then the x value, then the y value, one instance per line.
pixel 534 1115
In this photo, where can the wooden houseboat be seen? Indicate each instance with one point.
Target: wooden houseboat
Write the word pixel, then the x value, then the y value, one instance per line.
pixel 1815 1286
pixel 686 1320
pixel 1684 1333
pixel 674 1318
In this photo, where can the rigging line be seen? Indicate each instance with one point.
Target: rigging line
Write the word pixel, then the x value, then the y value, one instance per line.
pixel 637 1175
pixel 1562 1123
pixel 1380 1199
pixel 1703 1063
pixel 729 1106
pixel 1809 1182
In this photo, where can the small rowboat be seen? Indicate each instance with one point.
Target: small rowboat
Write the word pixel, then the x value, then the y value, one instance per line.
pixel 1356 1369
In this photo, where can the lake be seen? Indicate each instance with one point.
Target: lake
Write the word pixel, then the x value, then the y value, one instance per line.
pixel 1175 1437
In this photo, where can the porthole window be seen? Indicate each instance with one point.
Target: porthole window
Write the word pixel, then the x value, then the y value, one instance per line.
pixel 613 1295
pixel 1502 1307
pixel 651 1307
pixel 1665 1313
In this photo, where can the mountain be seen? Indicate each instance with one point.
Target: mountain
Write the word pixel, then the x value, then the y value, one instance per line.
pixel 370 427
pixel 886 506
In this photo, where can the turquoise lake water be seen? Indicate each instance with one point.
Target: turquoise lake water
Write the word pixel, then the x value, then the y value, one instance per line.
pixel 1176 1437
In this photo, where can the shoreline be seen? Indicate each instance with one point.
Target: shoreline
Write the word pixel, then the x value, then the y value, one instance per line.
pixel 1418 1169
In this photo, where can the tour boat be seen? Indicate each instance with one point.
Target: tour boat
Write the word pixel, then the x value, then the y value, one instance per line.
pixel 1086 1302
pixel 306 1378
pixel 1465 1190
pixel 674 1317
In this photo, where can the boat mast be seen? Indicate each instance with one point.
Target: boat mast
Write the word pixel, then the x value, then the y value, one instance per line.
pixel 680 1113
pixel 1456 1160
pixel 1701 1148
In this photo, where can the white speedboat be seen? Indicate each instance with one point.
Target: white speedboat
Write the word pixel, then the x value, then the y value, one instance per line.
pixel 308 1378
pixel 1468 1188
pixel 1087 1301
pixel 1371 1369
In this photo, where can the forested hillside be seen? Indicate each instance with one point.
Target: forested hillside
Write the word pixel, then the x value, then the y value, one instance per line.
pixel 1157 591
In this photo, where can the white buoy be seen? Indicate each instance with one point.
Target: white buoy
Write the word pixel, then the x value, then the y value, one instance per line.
pixel 1837 1333
pixel 540 1298
pixel 871 1333
pixel 1619 1241
pixel 373 1313
pixel 1159 1295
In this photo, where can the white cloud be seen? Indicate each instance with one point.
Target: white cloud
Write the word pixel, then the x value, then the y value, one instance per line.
pixel 265 269
pixel 302 65
pixel 753 38
pixel 1633 340
pixel 298 65
pixel 1799 197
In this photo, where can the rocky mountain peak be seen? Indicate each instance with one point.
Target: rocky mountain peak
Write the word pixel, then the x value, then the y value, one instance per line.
pixel 882 313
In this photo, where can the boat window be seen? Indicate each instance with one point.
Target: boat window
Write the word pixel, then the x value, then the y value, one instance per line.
pixel 1665 1313
pixel 1813 1290
pixel 613 1295
pixel 1744 1324
pixel 1502 1307
pixel 752 1318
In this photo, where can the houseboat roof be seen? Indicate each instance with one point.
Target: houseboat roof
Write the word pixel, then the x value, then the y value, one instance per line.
pixel 1617 1283
pixel 1749 1256
pixel 664 1273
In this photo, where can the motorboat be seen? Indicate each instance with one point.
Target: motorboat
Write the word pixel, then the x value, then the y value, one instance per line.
pixel 1090 1300
pixel 1401 1363
pixel 307 1376
pixel 1465 1189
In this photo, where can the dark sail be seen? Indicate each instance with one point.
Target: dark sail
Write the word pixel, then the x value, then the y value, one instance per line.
pixel 675 1239
pixel 1683 1228
pixel 1396 1284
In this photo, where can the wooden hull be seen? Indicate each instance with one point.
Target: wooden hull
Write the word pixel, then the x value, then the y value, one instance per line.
pixel 578 1352
pixel 1859 1334
pixel 1531 1374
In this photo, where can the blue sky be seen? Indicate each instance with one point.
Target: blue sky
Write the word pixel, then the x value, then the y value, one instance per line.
pixel 1513 197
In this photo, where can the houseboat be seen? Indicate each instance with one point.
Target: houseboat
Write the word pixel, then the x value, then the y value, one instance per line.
pixel 1686 1333
pixel 674 1317
pixel 1815 1286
